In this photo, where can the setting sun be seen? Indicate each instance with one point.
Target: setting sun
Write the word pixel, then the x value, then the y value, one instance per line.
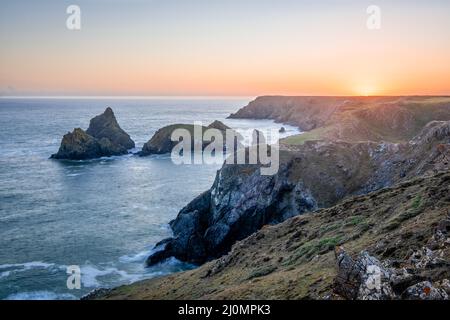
pixel 367 91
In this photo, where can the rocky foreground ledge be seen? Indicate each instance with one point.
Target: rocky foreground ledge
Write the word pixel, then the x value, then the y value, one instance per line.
pixel 103 138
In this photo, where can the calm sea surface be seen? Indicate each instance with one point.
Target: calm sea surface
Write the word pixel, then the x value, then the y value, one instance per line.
pixel 103 215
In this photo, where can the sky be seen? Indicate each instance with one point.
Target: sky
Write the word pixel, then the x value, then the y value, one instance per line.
pixel 224 48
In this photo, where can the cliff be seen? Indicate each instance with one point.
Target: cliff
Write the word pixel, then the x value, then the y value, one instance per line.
pixel 316 175
pixel 353 119
pixel 366 186
pixel 403 229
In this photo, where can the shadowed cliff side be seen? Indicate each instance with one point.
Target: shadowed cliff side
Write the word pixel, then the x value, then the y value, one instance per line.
pixel 316 175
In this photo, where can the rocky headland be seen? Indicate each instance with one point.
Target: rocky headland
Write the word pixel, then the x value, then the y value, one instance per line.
pixel 316 175
pixel 403 230
pixel 103 138
pixel 366 185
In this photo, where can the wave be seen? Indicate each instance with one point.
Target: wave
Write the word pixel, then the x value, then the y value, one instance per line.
pixel 91 273
pixel 74 174
pixel 41 295
pixel 138 257
pixel 22 267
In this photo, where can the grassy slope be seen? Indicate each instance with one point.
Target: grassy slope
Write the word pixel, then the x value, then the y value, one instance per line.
pixel 395 121
pixel 295 259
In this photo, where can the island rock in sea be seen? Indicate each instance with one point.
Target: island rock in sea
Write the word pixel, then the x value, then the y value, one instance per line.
pixel 103 138
pixel 162 143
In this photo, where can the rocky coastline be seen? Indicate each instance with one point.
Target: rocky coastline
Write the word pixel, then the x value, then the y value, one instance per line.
pixel 365 185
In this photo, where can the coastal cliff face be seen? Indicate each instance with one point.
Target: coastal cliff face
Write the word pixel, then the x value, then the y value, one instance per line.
pixel 371 174
pixel 317 175
pixel 305 112
pixel 239 203
pixel 352 119
pixel 103 138
pixel 404 230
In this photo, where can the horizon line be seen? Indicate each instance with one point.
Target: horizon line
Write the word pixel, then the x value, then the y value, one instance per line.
pixel 205 96
pixel 122 97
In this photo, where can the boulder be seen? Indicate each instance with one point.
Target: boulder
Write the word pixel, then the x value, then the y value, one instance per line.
pixel 363 279
pixel 424 291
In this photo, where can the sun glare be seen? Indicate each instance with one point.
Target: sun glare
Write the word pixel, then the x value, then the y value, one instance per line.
pixel 366 91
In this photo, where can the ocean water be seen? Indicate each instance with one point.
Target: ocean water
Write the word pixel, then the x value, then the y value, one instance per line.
pixel 103 215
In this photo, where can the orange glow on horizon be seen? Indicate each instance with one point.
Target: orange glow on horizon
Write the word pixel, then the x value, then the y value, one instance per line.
pixel 266 50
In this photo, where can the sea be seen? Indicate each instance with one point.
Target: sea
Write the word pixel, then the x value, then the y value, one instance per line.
pixel 102 216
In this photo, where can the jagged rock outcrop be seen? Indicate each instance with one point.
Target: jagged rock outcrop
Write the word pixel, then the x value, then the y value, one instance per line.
pixel 106 126
pixel 162 143
pixel 318 175
pixel 104 138
pixel 230 211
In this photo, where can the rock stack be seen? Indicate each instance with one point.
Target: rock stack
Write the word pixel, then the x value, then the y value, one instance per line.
pixel 103 138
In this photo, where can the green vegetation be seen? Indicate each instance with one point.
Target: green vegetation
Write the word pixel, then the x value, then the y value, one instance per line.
pixel 300 139
pixel 261 272
pixel 312 248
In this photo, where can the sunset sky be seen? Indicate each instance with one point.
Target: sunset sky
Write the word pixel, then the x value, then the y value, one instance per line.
pixel 224 47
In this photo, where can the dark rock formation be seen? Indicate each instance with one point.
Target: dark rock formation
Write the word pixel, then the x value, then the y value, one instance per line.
pixel 282 130
pixel 317 175
pixel 219 125
pixel 208 226
pixel 106 126
pixel 162 143
pixel 104 138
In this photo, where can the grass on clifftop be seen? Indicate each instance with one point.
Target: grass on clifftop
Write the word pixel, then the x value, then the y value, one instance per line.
pixel 394 121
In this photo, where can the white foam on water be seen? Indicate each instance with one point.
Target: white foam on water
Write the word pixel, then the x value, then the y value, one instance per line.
pixel 138 257
pixel 40 295
pixel 22 267
pixel 28 265
pixel 74 174
pixel 91 273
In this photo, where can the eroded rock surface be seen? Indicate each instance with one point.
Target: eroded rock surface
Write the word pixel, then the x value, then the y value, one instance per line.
pixel 161 142
pixel 317 175
pixel 104 138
